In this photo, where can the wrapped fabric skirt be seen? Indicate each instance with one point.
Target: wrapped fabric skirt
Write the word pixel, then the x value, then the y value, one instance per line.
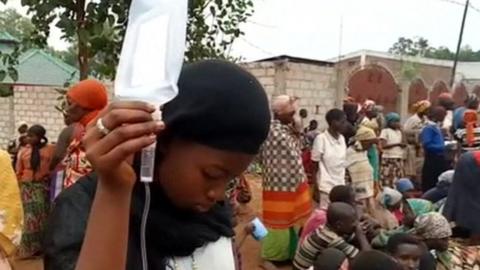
pixel 391 170
pixel 283 212
pixel 35 207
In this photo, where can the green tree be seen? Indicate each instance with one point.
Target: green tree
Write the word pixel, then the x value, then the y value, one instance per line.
pixel 15 24
pixel 420 47
pixel 442 53
pixel 96 28
pixel 20 27
pixel 410 47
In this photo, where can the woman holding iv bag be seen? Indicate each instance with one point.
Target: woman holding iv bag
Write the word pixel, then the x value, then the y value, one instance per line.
pixel 211 132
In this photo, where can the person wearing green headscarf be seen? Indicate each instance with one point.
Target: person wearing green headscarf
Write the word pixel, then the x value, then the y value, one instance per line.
pixel 392 144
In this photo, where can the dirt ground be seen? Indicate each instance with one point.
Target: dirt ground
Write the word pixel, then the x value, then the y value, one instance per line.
pixel 250 250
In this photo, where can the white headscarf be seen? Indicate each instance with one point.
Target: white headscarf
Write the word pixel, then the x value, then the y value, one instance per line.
pixel 389 197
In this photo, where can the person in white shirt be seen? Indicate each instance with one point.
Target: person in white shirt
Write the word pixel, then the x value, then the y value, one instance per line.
pixel 329 156
pixel 391 141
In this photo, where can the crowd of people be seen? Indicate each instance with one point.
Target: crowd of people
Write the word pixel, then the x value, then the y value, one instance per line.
pixel 374 184
pixel 371 191
pixel 35 171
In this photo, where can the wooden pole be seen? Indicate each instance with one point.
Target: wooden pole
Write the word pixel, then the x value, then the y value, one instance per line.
pixel 459 45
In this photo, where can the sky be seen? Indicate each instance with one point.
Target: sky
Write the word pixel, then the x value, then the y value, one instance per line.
pixel 323 29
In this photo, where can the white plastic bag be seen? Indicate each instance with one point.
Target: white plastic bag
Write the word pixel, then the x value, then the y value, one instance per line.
pixel 153 51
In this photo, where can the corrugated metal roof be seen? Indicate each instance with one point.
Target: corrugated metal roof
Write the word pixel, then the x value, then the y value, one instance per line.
pixel 386 55
pixel 36 67
pixel 296 60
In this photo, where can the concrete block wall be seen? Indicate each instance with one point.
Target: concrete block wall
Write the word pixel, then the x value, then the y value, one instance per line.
pixel 36 105
pixel 315 85
pixel 265 72
pixel 6 121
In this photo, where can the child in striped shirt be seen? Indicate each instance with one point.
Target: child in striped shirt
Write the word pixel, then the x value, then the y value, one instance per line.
pixel 342 224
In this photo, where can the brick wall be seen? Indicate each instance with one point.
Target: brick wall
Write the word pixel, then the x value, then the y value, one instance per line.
pixel 266 74
pixel 314 84
pixel 6 120
pixel 428 73
pixel 34 105
pixel 319 85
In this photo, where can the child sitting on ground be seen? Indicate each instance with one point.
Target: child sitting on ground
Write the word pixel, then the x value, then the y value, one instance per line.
pixel 318 218
pixel 342 224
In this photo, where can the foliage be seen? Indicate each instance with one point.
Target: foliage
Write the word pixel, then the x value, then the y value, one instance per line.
pixel 5 90
pixel 61 99
pixel 15 24
pixel 420 47
pixel 96 29
pixel 22 29
pixel 8 67
pixel 409 70
pixel 213 26
pixel 411 47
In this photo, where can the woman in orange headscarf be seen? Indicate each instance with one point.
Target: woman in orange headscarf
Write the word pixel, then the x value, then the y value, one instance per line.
pixel 84 101
pixel 412 128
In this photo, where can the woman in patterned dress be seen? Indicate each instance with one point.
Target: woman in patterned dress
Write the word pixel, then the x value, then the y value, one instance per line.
pixel 391 141
pixel 84 101
pixel 33 175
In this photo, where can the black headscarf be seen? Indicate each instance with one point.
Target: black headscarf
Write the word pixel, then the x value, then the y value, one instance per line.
pixel 219 105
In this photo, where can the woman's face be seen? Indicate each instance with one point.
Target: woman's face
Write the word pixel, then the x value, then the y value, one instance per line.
pixel 73 112
pixel 394 124
pixel 340 125
pixel 32 138
pixel 408 255
pixel 286 118
pixel 437 244
pixel 347 226
pixel 366 144
pixel 395 207
pixel 371 114
pixel 194 176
